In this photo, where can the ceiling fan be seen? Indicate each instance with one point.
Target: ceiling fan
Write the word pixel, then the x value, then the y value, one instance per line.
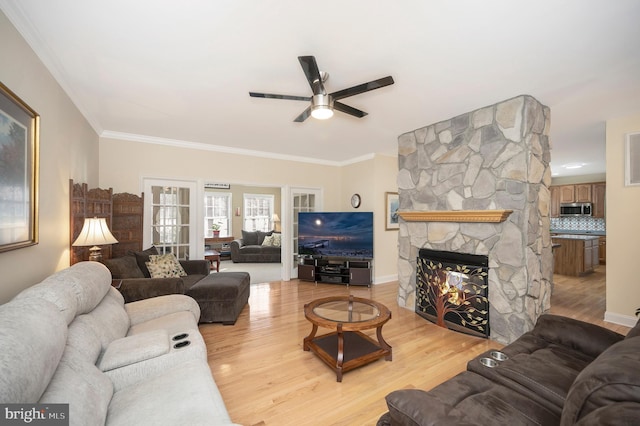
pixel 323 104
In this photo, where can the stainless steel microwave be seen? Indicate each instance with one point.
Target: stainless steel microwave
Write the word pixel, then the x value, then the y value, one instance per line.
pixel 576 209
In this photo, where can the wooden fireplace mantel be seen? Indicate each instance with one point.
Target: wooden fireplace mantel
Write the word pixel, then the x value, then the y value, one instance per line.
pixel 492 216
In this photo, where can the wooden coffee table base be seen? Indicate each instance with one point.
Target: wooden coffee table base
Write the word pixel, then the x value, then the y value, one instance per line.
pixel 344 351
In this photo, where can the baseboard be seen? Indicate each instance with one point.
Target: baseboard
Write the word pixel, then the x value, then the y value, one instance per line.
pixel 626 320
pixel 385 279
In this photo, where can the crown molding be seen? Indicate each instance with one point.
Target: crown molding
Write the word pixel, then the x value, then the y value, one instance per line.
pixel 154 140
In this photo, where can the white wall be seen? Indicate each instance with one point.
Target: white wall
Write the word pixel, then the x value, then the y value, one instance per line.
pixel 623 227
pixel 68 150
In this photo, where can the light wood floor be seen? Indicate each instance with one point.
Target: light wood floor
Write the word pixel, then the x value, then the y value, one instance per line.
pixel 265 377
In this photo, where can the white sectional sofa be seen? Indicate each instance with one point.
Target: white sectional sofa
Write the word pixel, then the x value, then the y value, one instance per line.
pixel 71 339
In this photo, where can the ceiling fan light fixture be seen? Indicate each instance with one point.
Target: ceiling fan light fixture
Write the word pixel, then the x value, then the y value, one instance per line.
pixel 321 112
pixel 321 107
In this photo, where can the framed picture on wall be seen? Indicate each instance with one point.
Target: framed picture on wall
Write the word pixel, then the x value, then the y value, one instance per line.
pixel 19 126
pixel 392 202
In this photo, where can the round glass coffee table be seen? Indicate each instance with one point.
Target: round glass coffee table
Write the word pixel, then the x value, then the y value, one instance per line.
pixel 347 347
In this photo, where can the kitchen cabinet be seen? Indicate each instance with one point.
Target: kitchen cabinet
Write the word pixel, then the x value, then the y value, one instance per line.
pixel 567 193
pixel 554 209
pixel 602 251
pixel 577 254
pixel 579 193
pixel 598 194
pixel 583 193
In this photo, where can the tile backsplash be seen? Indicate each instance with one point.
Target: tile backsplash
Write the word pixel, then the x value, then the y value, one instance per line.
pixel 578 223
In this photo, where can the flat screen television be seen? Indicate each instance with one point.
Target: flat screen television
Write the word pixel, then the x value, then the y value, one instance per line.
pixel 336 234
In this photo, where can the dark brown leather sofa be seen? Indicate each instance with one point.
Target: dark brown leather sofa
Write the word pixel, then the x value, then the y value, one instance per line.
pixel 221 296
pixel 563 372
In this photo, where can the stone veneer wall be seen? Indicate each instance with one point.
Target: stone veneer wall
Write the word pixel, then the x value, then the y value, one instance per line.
pixel 492 158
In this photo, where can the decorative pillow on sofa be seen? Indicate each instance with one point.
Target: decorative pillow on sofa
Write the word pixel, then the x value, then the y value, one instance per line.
pixel 165 266
pixel 250 238
pixel 273 240
pixel 277 239
pixel 123 267
pixel 142 257
pixel 268 240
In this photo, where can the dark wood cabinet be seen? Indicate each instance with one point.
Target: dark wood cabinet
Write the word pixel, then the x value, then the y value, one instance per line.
pixel 356 272
pixel 307 272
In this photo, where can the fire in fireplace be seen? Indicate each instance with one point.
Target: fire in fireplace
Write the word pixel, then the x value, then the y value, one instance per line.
pixel 452 290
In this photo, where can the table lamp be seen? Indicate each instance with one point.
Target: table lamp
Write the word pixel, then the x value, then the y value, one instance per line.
pixel 95 232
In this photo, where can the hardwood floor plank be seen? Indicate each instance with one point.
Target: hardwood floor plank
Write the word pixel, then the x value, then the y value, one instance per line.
pixel 265 377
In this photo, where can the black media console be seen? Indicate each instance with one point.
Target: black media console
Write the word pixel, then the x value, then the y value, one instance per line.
pixel 335 271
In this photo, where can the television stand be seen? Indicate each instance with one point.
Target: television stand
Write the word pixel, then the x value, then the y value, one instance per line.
pixel 349 272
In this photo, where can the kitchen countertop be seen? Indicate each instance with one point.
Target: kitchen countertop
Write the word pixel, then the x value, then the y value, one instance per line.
pixel 576 237
pixel 571 232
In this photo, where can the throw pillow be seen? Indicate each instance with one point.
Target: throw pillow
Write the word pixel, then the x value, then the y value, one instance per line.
pixel 262 235
pixel 268 240
pixel 277 239
pixel 123 267
pixel 142 257
pixel 250 238
pixel 165 266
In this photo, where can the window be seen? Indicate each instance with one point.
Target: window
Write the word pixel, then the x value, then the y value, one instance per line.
pixel 258 210
pixel 217 209
pixel 169 215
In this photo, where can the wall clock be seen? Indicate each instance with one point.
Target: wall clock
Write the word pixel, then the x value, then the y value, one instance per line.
pixel 355 201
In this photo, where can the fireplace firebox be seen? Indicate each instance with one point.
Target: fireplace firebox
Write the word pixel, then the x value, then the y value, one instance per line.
pixel 452 290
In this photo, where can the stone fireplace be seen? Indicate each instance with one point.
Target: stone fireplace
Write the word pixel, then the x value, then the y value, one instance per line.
pixel 479 184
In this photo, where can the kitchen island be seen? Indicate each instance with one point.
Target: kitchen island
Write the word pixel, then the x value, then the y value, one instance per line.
pixel 576 254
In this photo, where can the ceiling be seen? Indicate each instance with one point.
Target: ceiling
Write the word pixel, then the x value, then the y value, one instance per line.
pixel 179 72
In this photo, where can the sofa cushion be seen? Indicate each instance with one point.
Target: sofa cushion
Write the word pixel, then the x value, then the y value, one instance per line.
pixel 80 384
pixel 142 257
pixel 610 379
pixel 164 266
pixel 32 340
pixel 184 395
pixel 467 399
pixel 250 238
pixel 133 349
pixel 124 267
pixel 252 249
pixel 109 319
pixel 542 370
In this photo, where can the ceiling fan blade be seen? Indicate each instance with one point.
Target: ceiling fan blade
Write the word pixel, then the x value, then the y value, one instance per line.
pixel 305 114
pixel 361 88
pixel 311 71
pixel 348 110
pixel 272 96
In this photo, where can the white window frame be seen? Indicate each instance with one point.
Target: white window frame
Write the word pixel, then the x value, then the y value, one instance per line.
pixel 266 219
pixel 226 223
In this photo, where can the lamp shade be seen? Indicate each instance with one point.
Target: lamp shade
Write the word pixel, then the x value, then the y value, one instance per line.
pixel 95 232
